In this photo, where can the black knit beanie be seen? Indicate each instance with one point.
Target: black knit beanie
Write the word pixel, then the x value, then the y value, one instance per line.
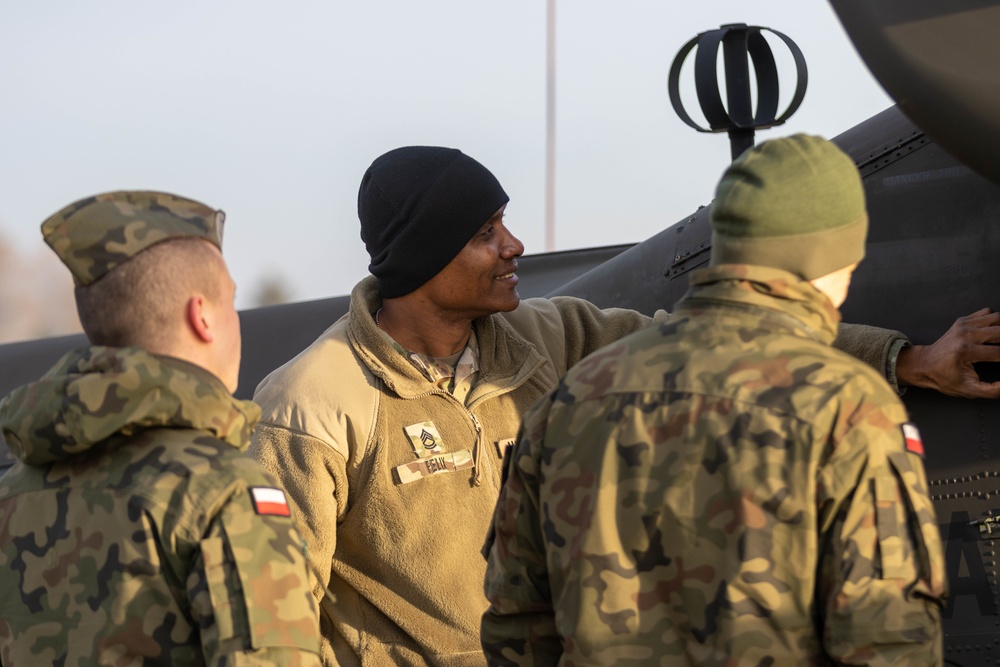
pixel 419 206
pixel 795 203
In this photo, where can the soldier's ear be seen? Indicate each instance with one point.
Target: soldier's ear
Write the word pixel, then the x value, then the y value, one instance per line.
pixel 198 318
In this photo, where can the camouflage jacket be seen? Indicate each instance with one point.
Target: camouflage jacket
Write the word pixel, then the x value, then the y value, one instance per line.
pixel 723 488
pixel 133 530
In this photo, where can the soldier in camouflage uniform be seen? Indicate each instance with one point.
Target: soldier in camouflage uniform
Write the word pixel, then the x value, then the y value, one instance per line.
pixel 133 528
pixel 725 488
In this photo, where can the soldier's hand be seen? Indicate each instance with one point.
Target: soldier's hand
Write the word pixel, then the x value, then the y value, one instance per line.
pixel 946 365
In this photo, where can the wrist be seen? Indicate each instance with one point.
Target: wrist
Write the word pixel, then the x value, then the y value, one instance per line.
pixel 908 367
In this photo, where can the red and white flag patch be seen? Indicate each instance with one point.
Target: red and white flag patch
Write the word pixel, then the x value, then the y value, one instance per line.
pixel 270 502
pixel 912 437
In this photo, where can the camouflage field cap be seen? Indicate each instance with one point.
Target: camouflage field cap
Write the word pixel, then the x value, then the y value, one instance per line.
pixel 94 235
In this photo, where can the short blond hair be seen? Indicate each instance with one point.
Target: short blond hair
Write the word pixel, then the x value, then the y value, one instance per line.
pixel 142 300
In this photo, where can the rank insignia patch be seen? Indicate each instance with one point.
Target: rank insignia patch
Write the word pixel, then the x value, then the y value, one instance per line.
pixel 912 437
pixel 425 439
pixel 269 502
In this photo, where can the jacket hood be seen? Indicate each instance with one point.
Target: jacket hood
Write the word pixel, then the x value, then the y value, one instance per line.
pixel 95 393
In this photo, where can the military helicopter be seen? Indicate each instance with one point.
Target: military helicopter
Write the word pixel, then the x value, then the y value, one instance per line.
pixel 934 203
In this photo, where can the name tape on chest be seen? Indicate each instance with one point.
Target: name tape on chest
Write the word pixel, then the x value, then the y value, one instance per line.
pixel 425 439
pixel 269 501
pixel 435 465
pixel 911 435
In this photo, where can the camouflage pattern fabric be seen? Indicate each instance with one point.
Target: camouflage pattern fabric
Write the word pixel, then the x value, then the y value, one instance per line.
pixel 133 530
pixel 719 489
pixel 454 375
pixel 94 235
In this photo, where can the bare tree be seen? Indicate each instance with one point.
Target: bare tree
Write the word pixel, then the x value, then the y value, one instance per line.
pixel 272 290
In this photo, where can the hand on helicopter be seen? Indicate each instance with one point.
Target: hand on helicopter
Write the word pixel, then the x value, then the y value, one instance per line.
pixel 947 364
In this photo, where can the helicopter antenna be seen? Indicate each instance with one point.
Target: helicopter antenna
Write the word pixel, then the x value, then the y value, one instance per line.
pixel 741 44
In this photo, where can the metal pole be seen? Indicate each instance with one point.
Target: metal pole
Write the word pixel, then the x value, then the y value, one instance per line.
pixel 550 127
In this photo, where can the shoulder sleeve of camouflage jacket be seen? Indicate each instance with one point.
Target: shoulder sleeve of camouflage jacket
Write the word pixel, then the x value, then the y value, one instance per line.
pixel 250 588
pixel 519 627
pixel 872 345
pixel 314 476
pixel 881 571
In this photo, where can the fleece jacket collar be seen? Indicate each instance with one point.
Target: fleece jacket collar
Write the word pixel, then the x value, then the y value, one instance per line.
pixel 504 356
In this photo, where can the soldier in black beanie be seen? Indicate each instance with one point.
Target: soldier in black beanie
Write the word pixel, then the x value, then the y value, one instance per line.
pixel 389 431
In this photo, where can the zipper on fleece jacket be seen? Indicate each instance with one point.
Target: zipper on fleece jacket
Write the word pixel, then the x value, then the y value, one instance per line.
pixel 477 452
pixel 477 426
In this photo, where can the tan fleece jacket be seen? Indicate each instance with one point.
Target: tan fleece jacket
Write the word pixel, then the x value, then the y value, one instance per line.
pixel 404 556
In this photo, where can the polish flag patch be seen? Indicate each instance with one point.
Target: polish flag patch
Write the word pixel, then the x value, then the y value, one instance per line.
pixel 912 437
pixel 270 502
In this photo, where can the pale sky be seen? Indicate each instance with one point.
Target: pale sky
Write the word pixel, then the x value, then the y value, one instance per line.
pixel 273 111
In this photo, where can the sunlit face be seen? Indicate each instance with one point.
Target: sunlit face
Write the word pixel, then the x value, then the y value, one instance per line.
pixel 226 328
pixel 481 279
